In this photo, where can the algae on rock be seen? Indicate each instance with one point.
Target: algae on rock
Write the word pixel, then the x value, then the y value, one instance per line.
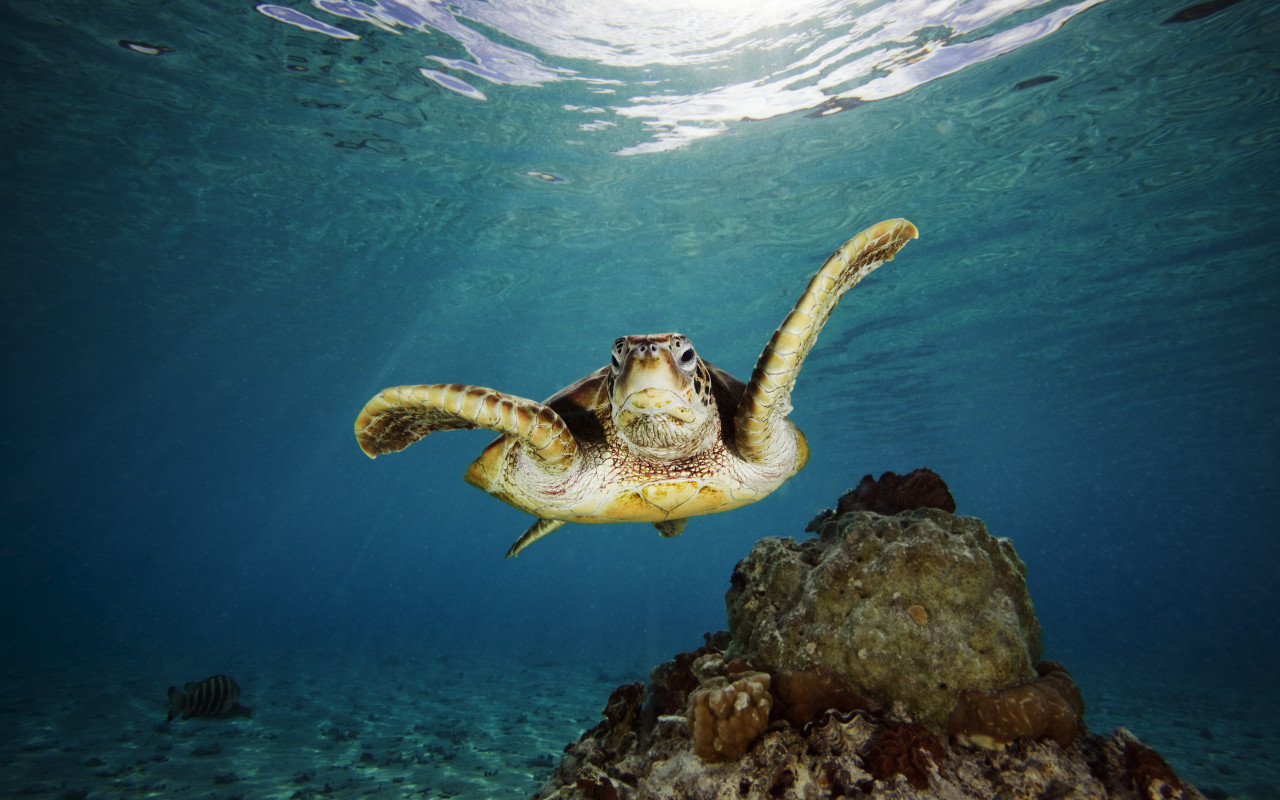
pixel 910 608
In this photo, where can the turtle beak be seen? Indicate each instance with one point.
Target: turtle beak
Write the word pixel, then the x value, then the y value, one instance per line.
pixel 649 382
pixel 654 401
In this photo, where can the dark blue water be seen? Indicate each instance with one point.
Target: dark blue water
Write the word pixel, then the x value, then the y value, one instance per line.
pixel 212 257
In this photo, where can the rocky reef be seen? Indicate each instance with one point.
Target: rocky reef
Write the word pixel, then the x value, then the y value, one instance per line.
pixel 891 656
pixel 910 608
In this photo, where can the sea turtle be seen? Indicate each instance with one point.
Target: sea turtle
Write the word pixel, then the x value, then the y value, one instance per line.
pixel 658 435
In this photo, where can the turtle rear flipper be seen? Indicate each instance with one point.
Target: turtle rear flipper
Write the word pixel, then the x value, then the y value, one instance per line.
pixel 397 417
pixel 670 528
pixel 536 531
pixel 767 398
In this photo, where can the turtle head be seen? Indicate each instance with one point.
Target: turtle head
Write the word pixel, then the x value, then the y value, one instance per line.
pixel 660 393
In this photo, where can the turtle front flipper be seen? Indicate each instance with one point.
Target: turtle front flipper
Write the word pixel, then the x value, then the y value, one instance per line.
pixel 767 398
pixel 401 415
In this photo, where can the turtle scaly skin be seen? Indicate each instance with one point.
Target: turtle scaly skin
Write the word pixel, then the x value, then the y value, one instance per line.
pixel 397 417
pixel 768 396
pixel 658 435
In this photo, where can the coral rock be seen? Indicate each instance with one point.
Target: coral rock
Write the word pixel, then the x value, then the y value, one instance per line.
pixel 801 695
pixel 1048 708
pixel 725 716
pixel 841 605
pixel 893 494
pixel 624 704
pixel 844 601
pixel 851 755
pixel 907 749
pixel 596 786
pixel 1152 776
pixel 671 682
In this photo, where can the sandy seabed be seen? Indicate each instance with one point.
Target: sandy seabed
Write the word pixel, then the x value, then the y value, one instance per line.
pixel 454 727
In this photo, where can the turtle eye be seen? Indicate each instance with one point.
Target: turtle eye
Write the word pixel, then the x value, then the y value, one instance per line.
pixel 619 345
pixel 687 357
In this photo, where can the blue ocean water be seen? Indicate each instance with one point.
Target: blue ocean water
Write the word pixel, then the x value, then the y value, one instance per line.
pixel 223 233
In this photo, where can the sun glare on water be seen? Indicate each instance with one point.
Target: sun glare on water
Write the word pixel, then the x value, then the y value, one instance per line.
pixel 693 67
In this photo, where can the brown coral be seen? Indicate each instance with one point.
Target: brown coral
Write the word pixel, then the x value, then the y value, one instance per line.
pixel 921 488
pixel 624 705
pixel 1048 708
pixel 919 615
pixel 725 716
pixel 905 748
pixel 800 695
pixel 1152 776
pixel 595 785
pixel 835 755
pixel 623 716
pixel 672 682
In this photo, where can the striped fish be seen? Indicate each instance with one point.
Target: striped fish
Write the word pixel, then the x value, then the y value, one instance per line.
pixel 212 697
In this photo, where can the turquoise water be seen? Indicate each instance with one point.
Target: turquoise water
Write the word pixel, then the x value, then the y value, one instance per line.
pixel 221 240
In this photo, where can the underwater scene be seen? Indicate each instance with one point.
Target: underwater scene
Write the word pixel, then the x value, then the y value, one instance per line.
pixel 805 399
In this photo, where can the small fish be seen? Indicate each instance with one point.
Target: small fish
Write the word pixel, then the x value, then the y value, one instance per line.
pixel 218 696
pixel 834 106
pixel 546 177
pixel 146 49
pixel 1032 82
pixel 1200 11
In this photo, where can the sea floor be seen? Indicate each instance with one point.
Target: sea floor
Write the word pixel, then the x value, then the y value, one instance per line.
pixel 1225 739
pixel 454 727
